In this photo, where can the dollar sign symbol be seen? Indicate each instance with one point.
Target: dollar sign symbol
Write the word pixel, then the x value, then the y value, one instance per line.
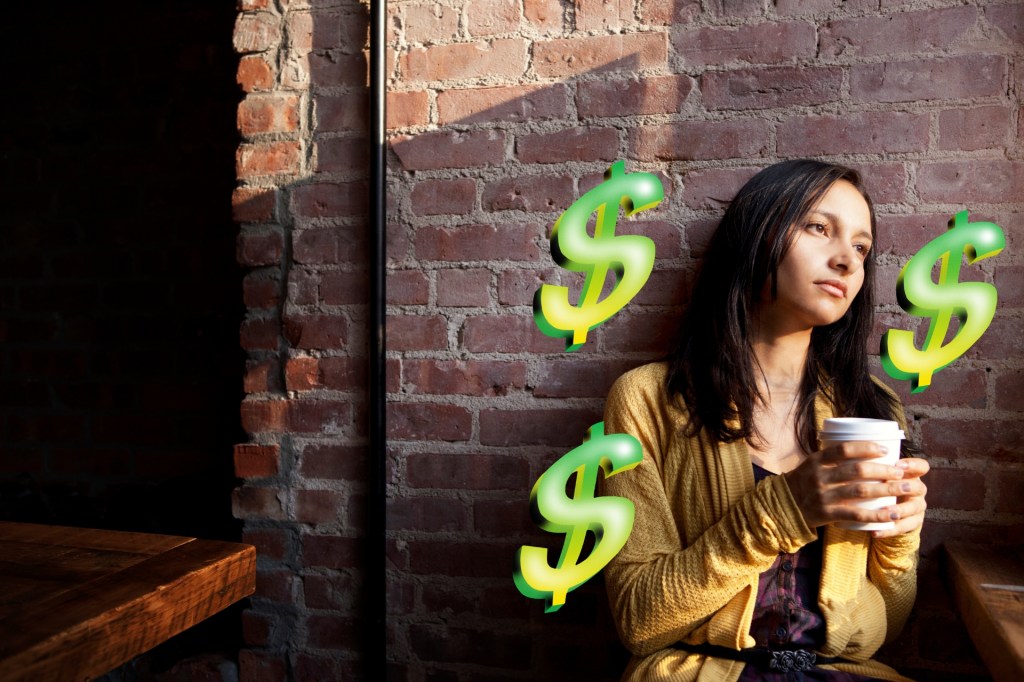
pixel 609 518
pixel 630 257
pixel 974 303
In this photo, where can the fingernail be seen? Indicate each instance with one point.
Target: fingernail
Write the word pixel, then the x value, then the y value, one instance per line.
pixel 895 516
pixel 884 449
pixel 905 487
pixel 902 465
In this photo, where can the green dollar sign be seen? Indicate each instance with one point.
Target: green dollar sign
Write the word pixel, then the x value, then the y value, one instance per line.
pixel 609 518
pixel 630 257
pixel 974 303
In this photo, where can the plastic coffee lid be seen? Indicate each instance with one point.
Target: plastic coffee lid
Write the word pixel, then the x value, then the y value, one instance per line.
pixel 845 427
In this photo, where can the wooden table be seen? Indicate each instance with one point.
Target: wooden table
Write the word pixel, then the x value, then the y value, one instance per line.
pixel 983 579
pixel 76 603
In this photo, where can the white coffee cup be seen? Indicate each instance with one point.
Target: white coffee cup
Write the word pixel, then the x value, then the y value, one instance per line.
pixel 882 431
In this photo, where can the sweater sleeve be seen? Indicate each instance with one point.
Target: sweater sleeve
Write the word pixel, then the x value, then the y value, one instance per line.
pixel 660 590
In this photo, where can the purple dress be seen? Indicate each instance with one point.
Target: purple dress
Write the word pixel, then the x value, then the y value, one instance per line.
pixel 786 614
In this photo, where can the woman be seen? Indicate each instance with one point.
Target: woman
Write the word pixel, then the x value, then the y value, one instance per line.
pixel 734 569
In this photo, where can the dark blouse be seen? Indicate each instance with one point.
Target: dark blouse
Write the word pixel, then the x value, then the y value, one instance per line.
pixel 786 614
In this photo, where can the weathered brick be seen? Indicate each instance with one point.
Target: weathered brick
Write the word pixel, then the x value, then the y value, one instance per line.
pixel 790 8
pixel 256 32
pixel 260 333
pixel 461 558
pixel 578 378
pixel 253 204
pixel 428 421
pixel 1009 492
pixel 450 149
pixel 272 543
pixel 345 244
pixel 633 96
pixel 255 73
pixel 335 69
pixel 897 33
pixel 407 287
pixel 885 182
pixel 517 242
pixel 260 292
pixel 698 140
pixel 330 551
pixel 350 154
pixel 971 129
pixel 513 103
pixel 736 8
pixel 429 514
pixel 500 58
pixel 259 248
pixel 338 462
pixel 257 461
pixel 532 193
pixel 429 23
pixel 782 86
pixel 501 518
pixel 463 377
pixel 268 158
pixel 955 489
pixel 543 15
pixel 1009 19
pixel 493 17
pixel 600 54
pixel 318 506
pixel 665 287
pixel 640 333
pixel 316 331
pixel 260 377
pixel 766 43
pixel 603 15
pixel 1010 384
pixel 268 114
pixel 1009 282
pixel 858 133
pixel 438 197
pixel 319 416
pixel 330 199
pixel 467 471
pixel 417 332
pixel 983 438
pixel 565 427
pixel 249 502
pixel 463 288
pixel 589 143
pixel 506 334
pixel 971 181
pixel 714 187
pixel 928 79
pixel 517 287
pixel 344 288
pixel 344 112
pixel 408 108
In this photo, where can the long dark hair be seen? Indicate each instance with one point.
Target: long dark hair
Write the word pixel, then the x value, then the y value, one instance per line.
pixel 713 368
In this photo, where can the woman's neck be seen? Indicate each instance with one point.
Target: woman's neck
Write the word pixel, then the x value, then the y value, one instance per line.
pixel 782 359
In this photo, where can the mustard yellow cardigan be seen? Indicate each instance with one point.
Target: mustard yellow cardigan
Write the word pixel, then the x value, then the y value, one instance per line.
pixel 702 535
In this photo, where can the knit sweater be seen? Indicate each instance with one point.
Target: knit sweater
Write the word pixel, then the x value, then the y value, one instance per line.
pixel 703 533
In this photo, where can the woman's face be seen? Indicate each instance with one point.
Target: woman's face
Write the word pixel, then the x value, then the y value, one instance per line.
pixel 823 271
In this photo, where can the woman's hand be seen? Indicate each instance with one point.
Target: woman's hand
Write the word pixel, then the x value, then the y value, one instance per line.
pixel 827 483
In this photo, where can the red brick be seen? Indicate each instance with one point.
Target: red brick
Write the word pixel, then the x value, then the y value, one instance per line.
pixel 501 518
pixel 319 416
pixel 928 79
pixel 1010 386
pixel 633 96
pixel 438 197
pixel 344 112
pixel 430 23
pixel 603 15
pixel 316 331
pixel 500 58
pixel 463 288
pixel 885 182
pixel 330 551
pixel 417 332
pixel 331 631
pixel 714 188
pixel 301 373
pixel 345 154
pixel 904 235
pixel 256 32
pixel 783 86
pixel 507 334
pixel 985 439
pixel 578 378
pixel 955 489
pixel 88 462
pixel 257 461
pixel 467 472
pixel 334 69
pixel 259 248
pixel 276 585
pixel 971 181
pixel 532 193
pixel 668 12
pixel 407 287
pixel 666 287
pixel 512 103
pixel 1009 492
pixel 565 427
pixel 318 506
pixel 261 666
pixel 517 287
pixel 409 108
pixel 573 144
pixel 255 73
pixel 344 244
pixel 260 333
pixel 600 54
pixel 765 43
pixel 1009 282
pixel 971 129
pixel 344 288
pixel 1010 20
pixel 898 33
pixel 493 17
pixel 268 114
pixel 508 651
pixel 449 149
pixel 543 15
pixel 698 140
pixel 639 333
pixel 256 628
pixel 736 8
pixel 339 592
pixel 865 132
pixel 336 462
pixel 302 286
pixel 270 543
pixel 428 421
pixel 269 158
pixel 253 204
pixel 260 377
pixel 455 559
pixel 427 514
pixel 786 8
pixel 329 200
pixel 463 377
pixel 299 26
pixel 258 503
pixel 517 242
pixel 951 387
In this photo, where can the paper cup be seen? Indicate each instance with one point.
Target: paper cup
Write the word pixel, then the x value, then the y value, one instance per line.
pixel 882 431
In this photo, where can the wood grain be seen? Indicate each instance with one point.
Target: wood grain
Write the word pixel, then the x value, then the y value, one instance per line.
pixel 76 603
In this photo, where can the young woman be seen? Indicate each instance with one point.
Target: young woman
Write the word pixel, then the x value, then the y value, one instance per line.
pixel 734 569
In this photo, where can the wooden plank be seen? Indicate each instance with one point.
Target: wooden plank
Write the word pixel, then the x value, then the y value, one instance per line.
pixel 88 538
pixel 994 617
pixel 98 625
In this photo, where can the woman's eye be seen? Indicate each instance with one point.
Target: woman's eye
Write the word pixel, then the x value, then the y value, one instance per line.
pixel 817 227
pixel 862 249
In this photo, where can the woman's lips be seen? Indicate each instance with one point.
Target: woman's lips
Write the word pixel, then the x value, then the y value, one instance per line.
pixel 833 287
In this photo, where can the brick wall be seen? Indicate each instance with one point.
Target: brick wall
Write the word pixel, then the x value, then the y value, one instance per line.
pixel 501 114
